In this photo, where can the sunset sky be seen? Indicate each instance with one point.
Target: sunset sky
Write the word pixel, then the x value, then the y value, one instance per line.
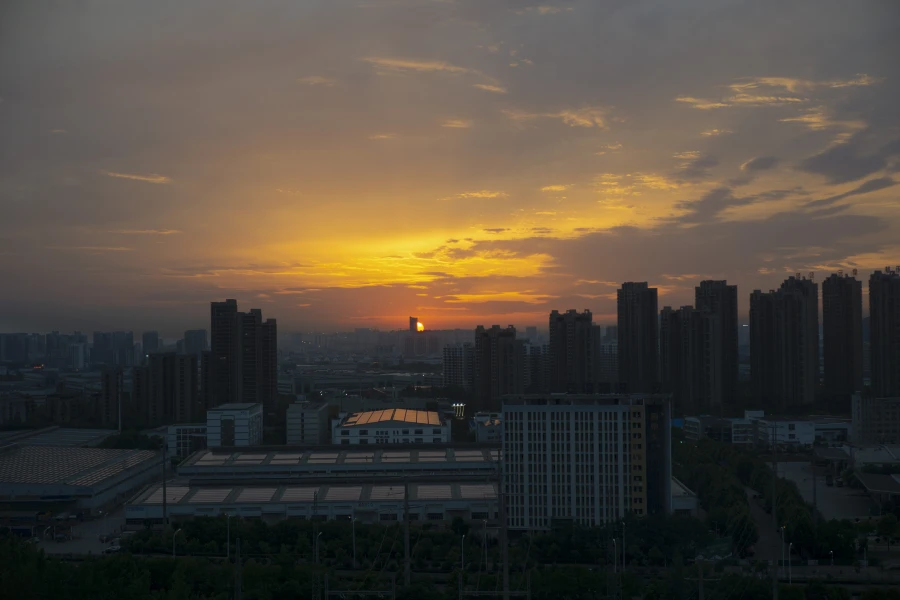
pixel 345 164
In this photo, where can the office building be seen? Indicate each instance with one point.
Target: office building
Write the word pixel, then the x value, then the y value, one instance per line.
pixel 585 459
pixel 229 425
pixel 884 314
pixel 150 342
pixel 606 361
pixel 459 366
pixel 876 421
pixel 718 303
pixel 195 341
pixel 112 380
pixel 571 352
pixel 638 337
pixel 414 324
pixel 391 426
pixel 499 366
pixel 842 335
pixel 308 424
pixel 784 344
pixel 184 439
pixel 225 350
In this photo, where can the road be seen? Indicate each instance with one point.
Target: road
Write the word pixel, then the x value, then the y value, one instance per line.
pixel 832 502
pixel 86 535
pixel 769 545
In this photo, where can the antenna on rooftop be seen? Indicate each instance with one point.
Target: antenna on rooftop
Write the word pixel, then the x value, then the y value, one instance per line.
pixel 812 276
pixel 854 272
pixel 840 273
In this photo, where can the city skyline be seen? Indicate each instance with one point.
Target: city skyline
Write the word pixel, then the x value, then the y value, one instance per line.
pixel 348 165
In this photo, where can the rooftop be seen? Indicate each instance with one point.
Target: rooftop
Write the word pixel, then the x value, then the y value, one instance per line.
pixel 582 399
pixel 58 436
pixel 679 489
pixel 873 482
pixel 235 406
pixel 399 415
pixel 49 465
pixel 359 455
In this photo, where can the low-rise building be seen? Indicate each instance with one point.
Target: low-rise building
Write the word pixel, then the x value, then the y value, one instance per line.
pixel 684 501
pixel 488 428
pixel 237 424
pixel 875 420
pixel 184 440
pixel 307 423
pixel 785 431
pixel 391 426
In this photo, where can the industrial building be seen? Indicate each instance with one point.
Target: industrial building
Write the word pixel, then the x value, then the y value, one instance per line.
pixel 391 426
pixel 62 478
pixel 184 440
pixel 237 424
pixel 307 423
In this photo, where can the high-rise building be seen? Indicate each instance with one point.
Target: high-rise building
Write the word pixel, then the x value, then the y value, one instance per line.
pixel 587 459
pixel 195 341
pixel 459 366
pixel 111 384
pixel 537 369
pixel 638 337
pixel 718 303
pixel 842 335
pixel 414 324
pixel 876 421
pixel 606 360
pixel 784 344
pixel 531 333
pixel 225 357
pixel 166 391
pixel 499 366
pixel 269 368
pixel 150 342
pixel 884 336
pixel 571 352
pixel 679 355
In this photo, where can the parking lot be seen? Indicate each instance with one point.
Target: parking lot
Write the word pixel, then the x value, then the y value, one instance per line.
pixel 832 502
pixel 86 535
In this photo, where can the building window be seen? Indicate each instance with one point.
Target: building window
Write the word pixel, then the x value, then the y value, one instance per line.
pixel 388 516
pixel 436 431
pixel 435 517
pixel 418 432
pixel 345 432
pixel 363 441
pixel 418 440
pixel 363 432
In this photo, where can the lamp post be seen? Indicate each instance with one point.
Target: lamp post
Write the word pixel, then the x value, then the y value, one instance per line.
pixel 484 541
pixel 615 555
pixel 831 552
pixel 462 546
pixel 317 548
pixel 791 545
pixel 353 525
pixel 228 539
pixel 782 550
pixel 174 537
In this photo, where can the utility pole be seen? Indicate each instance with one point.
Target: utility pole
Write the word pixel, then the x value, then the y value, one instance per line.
pixel 406 532
pixel 164 516
pixel 774 504
pixel 700 576
pixel 815 504
pixel 504 536
pixel 237 571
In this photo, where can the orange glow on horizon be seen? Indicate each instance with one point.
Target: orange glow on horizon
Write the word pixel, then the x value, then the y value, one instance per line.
pixel 420 326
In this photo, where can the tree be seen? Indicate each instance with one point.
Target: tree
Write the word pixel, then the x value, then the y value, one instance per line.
pixel 888 527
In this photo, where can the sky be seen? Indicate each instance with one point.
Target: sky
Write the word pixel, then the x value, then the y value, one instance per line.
pixel 346 164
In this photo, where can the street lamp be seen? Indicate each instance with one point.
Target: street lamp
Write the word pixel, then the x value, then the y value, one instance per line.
pixel 174 537
pixel 228 539
pixel 615 554
pixel 317 548
pixel 353 525
pixel 791 545
pixel 782 550
pixel 462 546
pixel 484 540
pixel 831 552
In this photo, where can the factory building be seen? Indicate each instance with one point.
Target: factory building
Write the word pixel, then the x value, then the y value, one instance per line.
pixel 392 426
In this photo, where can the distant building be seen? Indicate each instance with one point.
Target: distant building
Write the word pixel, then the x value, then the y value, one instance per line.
pixel 167 390
pixel 224 365
pixel 884 313
pixel 784 344
pixel 184 439
pixel 414 324
pixel 488 428
pixel 740 432
pixel 606 362
pixel 112 382
pixel 459 366
pixel 537 369
pixel 876 421
pixel 585 459
pixel 638 337
pixel 237 424
pixel 842 335
pixel 499 366
pixel 150 342
pixel 571 352
pixel 391 426
pixel 195 341
pixel 307 423
pixel 717 302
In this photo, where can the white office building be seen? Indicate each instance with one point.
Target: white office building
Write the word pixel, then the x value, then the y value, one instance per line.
pixel 391 426
pixel 588 459
pixel 184 440
pixel 237 424
pixel 307 423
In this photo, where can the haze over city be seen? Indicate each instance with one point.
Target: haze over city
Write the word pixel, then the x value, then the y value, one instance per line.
pixel 347 164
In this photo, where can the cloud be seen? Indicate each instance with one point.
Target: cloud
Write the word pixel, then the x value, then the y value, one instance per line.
pixel 314 80
pixel 715 132
pixel 589 116
pixel 760 163
pixel 495 229
pixel 159 179
pixel 794 85
pixel 496 89
pixel 560 187
pixel 547 9
pixel 873 185
pixel 457 123
pixel 92 249
pixel 687 155
pixel 697 168
pixel 399 65
pixel 712 204
pixel 383 136
pixel 482 194
pixel 145 231
pixel 738 100
pixel 819 118
pixel 845 162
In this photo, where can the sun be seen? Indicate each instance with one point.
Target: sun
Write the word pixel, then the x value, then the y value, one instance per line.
pixel 420 326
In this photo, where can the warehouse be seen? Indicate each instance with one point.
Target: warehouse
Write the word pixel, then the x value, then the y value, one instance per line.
pixel 56 479
pixel 391 426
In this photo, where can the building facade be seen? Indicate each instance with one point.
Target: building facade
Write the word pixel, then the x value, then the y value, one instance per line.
pixel 185 439
pixel 499 366
pixel 842 338
pixel 587 459
pixel 571 352
pixel 307 423
pixel 166 391
pixel 237 424
pixel 884 313
pixel 876 421
pixel 459 366
pixel 717 302
pixel 112 383
pixel 638 337
pixel 391 426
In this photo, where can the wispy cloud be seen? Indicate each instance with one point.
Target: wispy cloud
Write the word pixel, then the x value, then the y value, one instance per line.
pixel 383 136
pixel 145 231
pixel 716 132
pixel 159 179
pixel 95 249
pixel 546 9
pixel 560 187
pixel 314 80
pixel 496 89
pixel 795 85
pixel 686 155
pixel 589 116
pixel 741 99
pixel 401 65
pixel 457 123
pixel 482 194
pixel 819 118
